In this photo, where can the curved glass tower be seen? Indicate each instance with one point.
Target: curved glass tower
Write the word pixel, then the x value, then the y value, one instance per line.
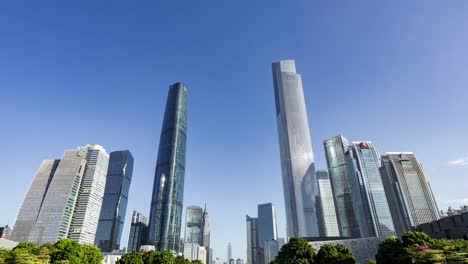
pixel 168 189
pixel 297 159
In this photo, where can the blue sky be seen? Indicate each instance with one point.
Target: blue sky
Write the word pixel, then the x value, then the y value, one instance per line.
pixel 78 72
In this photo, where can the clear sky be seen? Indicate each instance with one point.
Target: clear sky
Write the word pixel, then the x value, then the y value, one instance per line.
pixel 79 72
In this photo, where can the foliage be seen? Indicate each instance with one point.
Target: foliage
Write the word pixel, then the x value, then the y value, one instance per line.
pixel 197 261
pixel 66 249
pixel 131 258
pixel 92 255
pixel 416 238
pixel 335 254
pixel 297 251
pixel 28 247
pixel 391 251
pixel 370 261
pixel 181 260
pixel 22 256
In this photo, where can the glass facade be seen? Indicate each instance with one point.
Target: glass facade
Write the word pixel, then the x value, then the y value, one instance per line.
pixel 336 149
pixel 193 224
pixel 138 232
pixel 297 160
pixel 32 203
pixel 168 188
pixel 330 223
pixel 267 229
pixel 369 199
pixel 408 191
pixel 53 221
pixel 114 205
pixel 206 235
pixel 89 202
pixel 252 240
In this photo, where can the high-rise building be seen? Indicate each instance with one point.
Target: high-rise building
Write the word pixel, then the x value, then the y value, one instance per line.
pixel 267 229
pixel 56 209
pixel 33 201
pixel 297 160
pixel 270 250
pixel 408 191
pixel 202 254
pixel 88 205
pixel 369 199
pixel 138 232
pixel 193 224
pixel 229 252
pixel 205 235
pixel 168 188
pixel 114 205
pixel 191 250
pixel 329 223
pixel 239 261
pixel 336 149
pixel 252 240
pixel 5 232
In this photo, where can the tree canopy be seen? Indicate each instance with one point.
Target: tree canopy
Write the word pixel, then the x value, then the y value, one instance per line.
pixel 335 254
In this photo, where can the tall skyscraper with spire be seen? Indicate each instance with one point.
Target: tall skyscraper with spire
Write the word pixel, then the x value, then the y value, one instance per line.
pixel 297 159
pixel 168 189
pixel 206 234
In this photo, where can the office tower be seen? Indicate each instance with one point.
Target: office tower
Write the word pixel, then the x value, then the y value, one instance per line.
pixel 270 250
pixel 239 261
pixel 193 224
pixel 33 201
pixel 281 243
pixel 297 160
pixel 336 149
pixel 191 250
pixel 5 232
pixel 408 191
pixel 114 204
pixel 138 232
pixel 205 234
pixel 232 261
pixel 168 188
pixel 202 254
pixel 330 224
pixel 88 205
pixel 369 199
pixel 55 215
pixel 252 240
pixel 229 252
pixel 267 222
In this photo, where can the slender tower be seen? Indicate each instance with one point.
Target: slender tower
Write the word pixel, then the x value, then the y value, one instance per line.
pixel 297 159
pixel 168 189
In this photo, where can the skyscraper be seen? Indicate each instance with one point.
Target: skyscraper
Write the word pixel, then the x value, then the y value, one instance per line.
pixel 193 224
pixel 252 240
pixel 229 252
pixel 330 224
pixel 53 220
pixel 168 188
pixel 114 205
pixel 336 149
pixel 33 201
pixel 138 232
pixel 267 229
pixel 88 205
pixel 5 232
pixel 408 191
pixel 297 160
pixel 369 199
pixel 206 235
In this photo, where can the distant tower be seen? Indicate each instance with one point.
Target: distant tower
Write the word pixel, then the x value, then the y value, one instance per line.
pixel 138 232
pixel 206 233
pixel 168 189
pixel 297 159
pixel 408 191
pixel 193 225
pixel 89 202
pixel 229 252
pixel 114 205
pixel 369 199
pixel 330 224
pixel 252 240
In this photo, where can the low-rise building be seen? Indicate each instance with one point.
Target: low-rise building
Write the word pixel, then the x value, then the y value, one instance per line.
pixel 451 227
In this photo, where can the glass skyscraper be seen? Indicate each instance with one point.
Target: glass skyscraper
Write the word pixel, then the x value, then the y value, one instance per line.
pixel 53 221
pixel 193 224
pixel 88 205
pixel 32 203
pixel 408 191
pixel 297 160
pixel 168 189
pixel 138 232
pixel 206 235
pixel 369 199
pixel 267 229
pixel 330 224
pixel 336 149
pixel 114 205
pixel 252 240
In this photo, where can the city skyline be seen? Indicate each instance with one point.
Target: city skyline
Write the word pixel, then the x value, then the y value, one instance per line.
pixel 108 67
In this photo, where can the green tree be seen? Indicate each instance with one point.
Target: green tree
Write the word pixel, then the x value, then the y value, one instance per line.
pixel 92 254
pixel 157 257
pixel 28 247
pixel 391 251
pixel 22 256
pixel 131 258
pixel 416 238
pixel 181 260
pixel 196 261
pixel 67 250
pixel 370 261
pixel 297 251
pixel 4 255
pixel 335 254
